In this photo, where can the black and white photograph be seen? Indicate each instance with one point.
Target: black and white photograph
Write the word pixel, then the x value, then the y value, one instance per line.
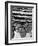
pixel 20 22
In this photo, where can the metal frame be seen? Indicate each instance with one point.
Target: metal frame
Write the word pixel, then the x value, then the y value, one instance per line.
pixel 6 22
